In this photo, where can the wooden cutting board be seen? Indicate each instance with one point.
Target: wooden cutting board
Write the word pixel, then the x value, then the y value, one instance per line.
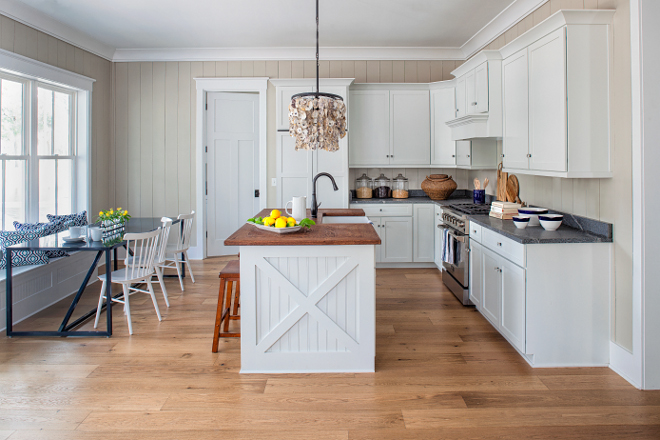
pixel 502 178
pixel 513 189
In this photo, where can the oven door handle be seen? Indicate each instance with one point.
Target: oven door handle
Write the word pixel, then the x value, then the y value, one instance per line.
pixel 460 238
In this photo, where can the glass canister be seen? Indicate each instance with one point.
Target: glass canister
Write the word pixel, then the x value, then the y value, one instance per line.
pixel 400 187
pixel 382 187
pixel 364 187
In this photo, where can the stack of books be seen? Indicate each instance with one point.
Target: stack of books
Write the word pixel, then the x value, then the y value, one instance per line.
pixel 504 210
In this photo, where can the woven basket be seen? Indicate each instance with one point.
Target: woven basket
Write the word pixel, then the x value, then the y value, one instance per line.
pixel 439 186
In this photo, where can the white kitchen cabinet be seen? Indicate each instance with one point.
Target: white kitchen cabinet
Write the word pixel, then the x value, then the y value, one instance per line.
pixel 515 97
pixel 492 284
pixel 295 170
pixel 443 104
pixel 476 154
pixel 512 319
pixel 556 97
pixel 551 320
pixel 478 97
pixel 369 133
pixel 437 232
pixel 410 127
pixel 424 233
pixel 476 281
pixel 396 234
pixel 390 125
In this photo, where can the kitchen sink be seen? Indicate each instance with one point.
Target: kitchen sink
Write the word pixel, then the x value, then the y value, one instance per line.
pixel 345 219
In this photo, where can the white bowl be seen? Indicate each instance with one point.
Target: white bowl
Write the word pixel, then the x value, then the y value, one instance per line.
pixel 533 214
pixel 551 222
pixel 521 221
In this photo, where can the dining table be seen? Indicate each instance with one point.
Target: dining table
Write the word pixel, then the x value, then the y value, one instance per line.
pixel 107 248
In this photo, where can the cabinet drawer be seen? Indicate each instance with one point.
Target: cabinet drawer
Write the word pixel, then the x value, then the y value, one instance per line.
pixel 505 247
pixel 385 210
pixel 475 232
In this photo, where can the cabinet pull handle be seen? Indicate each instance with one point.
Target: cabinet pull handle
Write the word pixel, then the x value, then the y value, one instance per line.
pixel 529 155
pixel 502 154
pixel 381 210
pixel 468 155
pixel 453 155
pixel 474 103
pixel 499 244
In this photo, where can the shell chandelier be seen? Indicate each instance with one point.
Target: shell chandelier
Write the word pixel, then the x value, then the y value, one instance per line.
pixel 317 120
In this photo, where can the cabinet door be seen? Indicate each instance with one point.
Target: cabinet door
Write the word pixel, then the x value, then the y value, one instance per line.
pixel 547 103
pixel 481 80
pixel 437 232
pixel 512 324
pixel 424 233
pixel 294 170
pixel 284 95
pixel 476 274
pixel 410 127
pixel 396 234
pixel 443 109
pixel 515 105
pixel 471 92
pixel 460 97
pixel 463 153
pixel 491 305
pixel 369 136
pixel 378 224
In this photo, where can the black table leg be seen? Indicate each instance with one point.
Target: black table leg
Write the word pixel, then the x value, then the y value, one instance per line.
pixel 8 290
pixel 108 289
pixel 74 303
pixel 115 255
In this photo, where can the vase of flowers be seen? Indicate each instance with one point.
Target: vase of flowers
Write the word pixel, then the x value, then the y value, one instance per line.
pixel 113 222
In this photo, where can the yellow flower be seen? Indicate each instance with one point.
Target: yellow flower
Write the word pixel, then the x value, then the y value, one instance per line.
pixel 100 213
pixel 125 212
pixel 119 209
pixel 111 212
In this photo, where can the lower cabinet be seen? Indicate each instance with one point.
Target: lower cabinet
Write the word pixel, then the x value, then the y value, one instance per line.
pixel 512 320
pixel 476 281
pixel 492 287
pixel 396 239
pixel 437 233
pixel 423 233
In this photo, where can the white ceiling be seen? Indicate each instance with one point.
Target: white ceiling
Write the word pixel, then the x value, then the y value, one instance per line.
pixel 222 24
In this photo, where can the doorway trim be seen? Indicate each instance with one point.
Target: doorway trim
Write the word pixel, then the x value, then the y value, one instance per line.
pixel 204 85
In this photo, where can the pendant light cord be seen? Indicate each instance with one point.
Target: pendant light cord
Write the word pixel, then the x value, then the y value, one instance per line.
pixel 318 89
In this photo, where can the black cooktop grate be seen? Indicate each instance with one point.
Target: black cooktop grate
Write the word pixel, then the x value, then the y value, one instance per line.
pixel 471 208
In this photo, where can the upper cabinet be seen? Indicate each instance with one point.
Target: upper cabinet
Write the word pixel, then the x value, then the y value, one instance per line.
pixel 555 84
pixel 478 110
pixel 389 125
pixel 443 104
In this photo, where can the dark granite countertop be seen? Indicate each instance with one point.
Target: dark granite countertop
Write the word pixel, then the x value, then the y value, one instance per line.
pixel 574 229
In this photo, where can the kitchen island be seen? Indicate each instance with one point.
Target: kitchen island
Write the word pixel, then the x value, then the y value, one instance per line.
pixel 308 298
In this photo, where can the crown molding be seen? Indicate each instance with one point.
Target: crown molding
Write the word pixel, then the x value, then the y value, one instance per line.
pixel 288 53
pixel 36 19
pixel 504 21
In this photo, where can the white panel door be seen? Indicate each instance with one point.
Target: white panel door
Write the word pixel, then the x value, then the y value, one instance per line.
pixel 492 279
pixel 476 283
pixel 424 233
pixel 232 166
pixel 369 136
pixel 460 97
pixel 513 304
pixel 471 92
pixel 443 109
pixel 481 80
pixel 410 127
pixel 396 234
pixel 547 103
pixel 463 153
pixel 515 105
pixel 294 170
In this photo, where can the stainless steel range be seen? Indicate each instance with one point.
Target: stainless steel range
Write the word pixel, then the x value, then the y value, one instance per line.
pixel 456 226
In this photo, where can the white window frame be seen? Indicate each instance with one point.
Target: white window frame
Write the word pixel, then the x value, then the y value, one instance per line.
pixel 20 67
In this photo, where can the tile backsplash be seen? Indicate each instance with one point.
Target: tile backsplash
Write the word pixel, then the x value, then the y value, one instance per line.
pixel 415 175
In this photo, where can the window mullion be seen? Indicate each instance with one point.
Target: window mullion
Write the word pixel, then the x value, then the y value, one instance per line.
pixel 33 158
pixel 4 191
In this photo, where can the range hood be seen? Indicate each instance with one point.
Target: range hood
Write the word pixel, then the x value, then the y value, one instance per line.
pixel 478 97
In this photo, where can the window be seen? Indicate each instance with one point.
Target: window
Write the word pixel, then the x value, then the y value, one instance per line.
pixel 37 149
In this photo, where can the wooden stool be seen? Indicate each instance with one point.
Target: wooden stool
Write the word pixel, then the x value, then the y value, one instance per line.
pixel 226 312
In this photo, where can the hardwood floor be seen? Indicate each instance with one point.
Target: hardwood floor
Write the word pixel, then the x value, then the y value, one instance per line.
pixel 442 373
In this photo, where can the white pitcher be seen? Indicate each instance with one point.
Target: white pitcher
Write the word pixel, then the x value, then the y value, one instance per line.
pixel 299 208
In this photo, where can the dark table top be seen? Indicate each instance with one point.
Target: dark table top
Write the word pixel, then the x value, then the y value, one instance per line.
pixel 56 241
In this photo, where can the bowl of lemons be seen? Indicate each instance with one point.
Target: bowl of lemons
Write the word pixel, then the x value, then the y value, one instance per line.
pixel 280 224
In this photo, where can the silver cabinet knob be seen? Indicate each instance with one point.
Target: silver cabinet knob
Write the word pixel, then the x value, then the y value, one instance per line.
pixel 529 155
pixel 499 244
pixel 474 103
pixel 453 155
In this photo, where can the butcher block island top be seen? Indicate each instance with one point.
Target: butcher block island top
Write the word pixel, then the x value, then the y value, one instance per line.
pixel 335 234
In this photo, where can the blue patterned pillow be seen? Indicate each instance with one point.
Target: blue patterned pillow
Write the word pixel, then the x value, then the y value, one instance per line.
pixel 21 258
pixel 79 219
pixel 50 228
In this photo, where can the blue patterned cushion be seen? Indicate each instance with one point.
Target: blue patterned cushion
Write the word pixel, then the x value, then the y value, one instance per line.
pixel 21 258
pixel 79 219
pixel 50 228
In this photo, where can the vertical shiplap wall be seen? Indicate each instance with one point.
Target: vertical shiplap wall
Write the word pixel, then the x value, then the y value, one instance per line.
pixel 24 40
pixel 155 112
pixel 605 199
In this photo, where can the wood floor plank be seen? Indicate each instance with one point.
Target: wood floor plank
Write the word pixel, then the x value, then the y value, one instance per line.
pixel 442 372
